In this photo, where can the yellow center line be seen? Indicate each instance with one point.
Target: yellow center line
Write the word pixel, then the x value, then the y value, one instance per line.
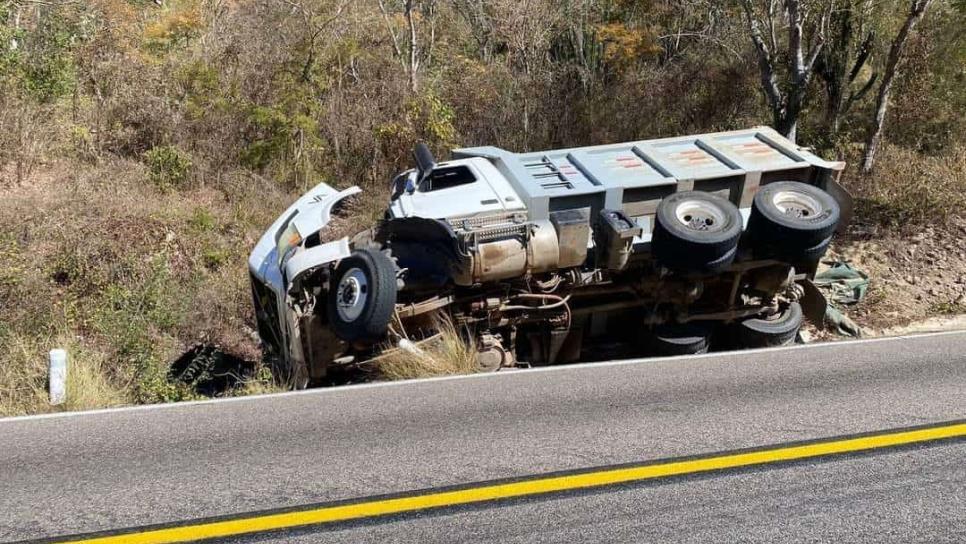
pixel 538 485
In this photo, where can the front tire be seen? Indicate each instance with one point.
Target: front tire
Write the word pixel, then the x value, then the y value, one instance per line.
pixel 362 296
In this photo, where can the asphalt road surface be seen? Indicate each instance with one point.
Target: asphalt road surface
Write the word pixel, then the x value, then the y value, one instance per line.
pixel 109 470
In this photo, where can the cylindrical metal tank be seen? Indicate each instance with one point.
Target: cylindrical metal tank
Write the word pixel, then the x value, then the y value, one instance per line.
pixel 530 248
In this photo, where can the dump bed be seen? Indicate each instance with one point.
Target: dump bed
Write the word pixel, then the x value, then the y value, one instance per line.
pixel 635 176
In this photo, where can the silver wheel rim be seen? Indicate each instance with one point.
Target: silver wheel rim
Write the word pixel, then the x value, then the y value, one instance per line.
pixel 797 204
pixel 700 215
pixel 352 294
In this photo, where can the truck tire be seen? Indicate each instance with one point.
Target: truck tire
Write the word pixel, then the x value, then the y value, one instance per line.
pixel 779 330
pixel 788 217
pixel 810 256
pixel 695 231
pixel 680 339
pixel 362 296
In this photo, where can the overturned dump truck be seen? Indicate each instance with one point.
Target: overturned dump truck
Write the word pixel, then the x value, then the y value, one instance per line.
pixel 660 247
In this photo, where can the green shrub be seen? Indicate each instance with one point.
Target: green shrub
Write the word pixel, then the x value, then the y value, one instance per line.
pixel 433 119
pixel 215 257
pixel 138 319
pixel 284 143
pixel 38 61
pixel 168 167
pixel 11 267
pixel 202 220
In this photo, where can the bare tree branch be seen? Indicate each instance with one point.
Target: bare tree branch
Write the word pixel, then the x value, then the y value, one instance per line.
pixel 818 43
pixel 413 47
pixel 766 65
pixel 772 35
pixel 392 33
pixel 857 95
pixel 916 12
pixel 793 8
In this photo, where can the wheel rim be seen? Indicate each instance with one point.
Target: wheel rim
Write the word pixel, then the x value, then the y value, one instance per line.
pixel 699 215
pixel 353 292
pixel 797 204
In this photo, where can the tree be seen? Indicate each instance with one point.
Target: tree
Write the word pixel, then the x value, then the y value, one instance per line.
pixel 849 50
pixel 317 18
pixel 527 27
pixel 415 55
pixel 479 18
pixel 916 11
pixel 785 75
pixel 37 69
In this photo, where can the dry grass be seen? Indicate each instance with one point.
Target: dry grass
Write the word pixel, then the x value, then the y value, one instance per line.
pixel 257 387
pixel 908 190
pixel 23 378
pixel 908 235
pixel 261 382
pixel 125 276
pixel 446 354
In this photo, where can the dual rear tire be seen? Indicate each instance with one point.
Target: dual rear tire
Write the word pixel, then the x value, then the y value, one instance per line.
pixel 779 329
pixel 793 222
pixel 698 232
pixel 681 339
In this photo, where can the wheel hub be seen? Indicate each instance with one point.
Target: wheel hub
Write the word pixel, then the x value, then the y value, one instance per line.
pixel 352 294
pixel 699 215
pixel 797 204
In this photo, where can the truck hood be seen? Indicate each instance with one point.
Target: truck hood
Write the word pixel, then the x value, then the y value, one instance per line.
pixel 309 213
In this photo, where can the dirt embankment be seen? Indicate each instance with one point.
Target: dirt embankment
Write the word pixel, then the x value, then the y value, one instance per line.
pixel 918 280
pixel 126 277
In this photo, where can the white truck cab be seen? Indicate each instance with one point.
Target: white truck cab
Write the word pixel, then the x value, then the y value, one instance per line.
pixel 461 188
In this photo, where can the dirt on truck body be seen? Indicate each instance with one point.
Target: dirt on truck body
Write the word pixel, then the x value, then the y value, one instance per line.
pixel 660 246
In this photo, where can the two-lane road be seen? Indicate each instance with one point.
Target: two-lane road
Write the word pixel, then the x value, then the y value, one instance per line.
pixel 110 470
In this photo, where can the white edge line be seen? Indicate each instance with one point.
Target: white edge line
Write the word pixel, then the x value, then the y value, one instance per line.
pixel 488 375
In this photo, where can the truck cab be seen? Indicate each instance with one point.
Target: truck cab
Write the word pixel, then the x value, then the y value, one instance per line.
pixel 460 188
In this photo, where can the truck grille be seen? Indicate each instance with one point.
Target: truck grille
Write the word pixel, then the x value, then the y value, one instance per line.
pixel 490 227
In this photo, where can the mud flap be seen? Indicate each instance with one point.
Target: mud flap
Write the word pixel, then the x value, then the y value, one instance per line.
pixel 844 199
pixel 319 346
pixel 814 304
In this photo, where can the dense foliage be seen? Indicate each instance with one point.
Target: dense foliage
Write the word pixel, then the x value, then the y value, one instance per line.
pixel 298 89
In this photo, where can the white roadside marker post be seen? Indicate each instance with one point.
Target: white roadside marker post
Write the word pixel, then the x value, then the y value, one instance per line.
pixel 58 376
pixel 409 346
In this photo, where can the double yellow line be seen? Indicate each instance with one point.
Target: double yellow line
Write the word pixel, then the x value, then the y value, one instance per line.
pixel 529 487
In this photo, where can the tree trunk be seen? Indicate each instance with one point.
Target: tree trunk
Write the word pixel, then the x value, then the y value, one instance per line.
pixel 786 105
pixel 834 68
pixel 413 49
pixel 916 12
pixel 790 130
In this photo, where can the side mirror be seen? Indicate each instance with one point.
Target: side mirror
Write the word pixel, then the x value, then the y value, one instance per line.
pixel 398 185
pixel 401 184
pixel 425 162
